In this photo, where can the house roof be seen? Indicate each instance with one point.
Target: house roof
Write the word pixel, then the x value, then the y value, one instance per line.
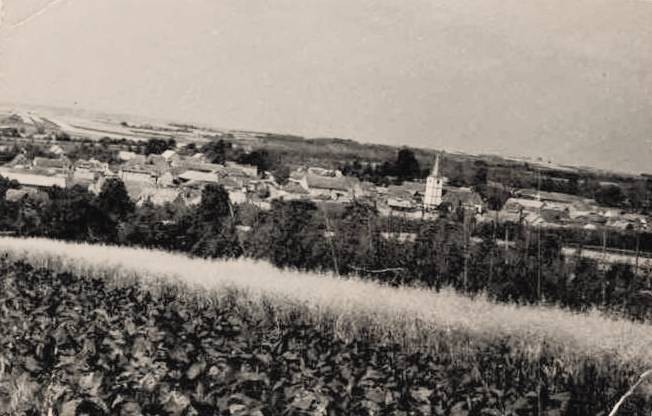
pixel 533 218
pixel 229 182
pixel 18 194
pixel 158 196
pixel 547 196
pixel 136 160
pixel 400 203
pixel 406 190
pixel 168 154
pixel 30 179
pixel 199 176
pixel 20 159
pixel 56 149
pixel 517 203
pixel 462 197
pixel 45 162
pixel 191 164
pixel 325 182
pixel 135 189
pixel 294 188
pixel 124 155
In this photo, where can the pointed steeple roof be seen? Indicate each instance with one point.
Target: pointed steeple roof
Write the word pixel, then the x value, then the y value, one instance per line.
pixel 435 167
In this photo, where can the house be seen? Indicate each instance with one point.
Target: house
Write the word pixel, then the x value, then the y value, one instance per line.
pixel 197 165
pixel 136 174
pixel 198 177
pixel 515 205
pixel 158 196
pixel 537 195
pixel 401 205
pixel 169 155
pixel 407 190
pixel 9 131
pixel 237 195
pixel 60 164
pixel 230 183
pixel 156 160
pixel 57 150
pixel 200 157
pixel 135 161
pixel 533 219
pixel 19 161
pixel 463 198
pixel 582 207
pixel 334 173
pixel 291 191
pixel 165 180
pixel 325 187
pixel 125 156
pixel 29 179
pixel 554 216
pixel 332 187
pixel 248 170
pixel 368 189
pixel 15 195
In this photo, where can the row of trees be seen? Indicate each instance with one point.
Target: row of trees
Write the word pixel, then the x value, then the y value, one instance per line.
pixel 299 235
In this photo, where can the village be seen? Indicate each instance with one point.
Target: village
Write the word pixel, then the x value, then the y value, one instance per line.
pixel 172 177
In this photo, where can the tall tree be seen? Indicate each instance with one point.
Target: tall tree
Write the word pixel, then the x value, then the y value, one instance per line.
pixel 214 229
pixel 407 166
pixel 114 200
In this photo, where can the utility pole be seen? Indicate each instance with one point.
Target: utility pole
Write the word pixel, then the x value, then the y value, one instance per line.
pixel 539 238
pixel 330 238
pixel 493 248
pixel 539 262
pixel 604 264
pixel 466 252
pixel 638 246
pixel 506 243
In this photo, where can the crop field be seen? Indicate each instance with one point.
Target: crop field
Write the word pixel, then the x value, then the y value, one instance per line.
pixel 104 330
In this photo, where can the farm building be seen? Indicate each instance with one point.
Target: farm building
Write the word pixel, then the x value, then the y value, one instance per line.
pixel 30 179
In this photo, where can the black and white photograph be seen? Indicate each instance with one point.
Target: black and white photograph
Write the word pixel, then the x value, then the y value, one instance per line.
pixel 325 207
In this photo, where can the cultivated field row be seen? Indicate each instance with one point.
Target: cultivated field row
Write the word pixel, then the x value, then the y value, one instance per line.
pixel 412 316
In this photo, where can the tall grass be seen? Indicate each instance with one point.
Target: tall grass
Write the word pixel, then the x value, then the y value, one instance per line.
pixel 415 317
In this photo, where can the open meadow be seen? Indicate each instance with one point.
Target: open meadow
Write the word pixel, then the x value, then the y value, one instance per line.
pixel 122 330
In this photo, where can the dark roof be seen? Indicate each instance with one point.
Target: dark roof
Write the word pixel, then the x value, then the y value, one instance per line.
pixel 45 162
pixel 326 182
pixel 547 196
pixel 462 197
pixel 294 188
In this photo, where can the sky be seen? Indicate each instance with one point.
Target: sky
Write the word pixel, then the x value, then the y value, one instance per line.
pixel 565 80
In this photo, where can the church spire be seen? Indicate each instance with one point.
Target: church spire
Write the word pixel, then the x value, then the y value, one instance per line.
pixel 435 167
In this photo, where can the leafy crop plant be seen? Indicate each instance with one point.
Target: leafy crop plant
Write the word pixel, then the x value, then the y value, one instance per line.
pixel 105 330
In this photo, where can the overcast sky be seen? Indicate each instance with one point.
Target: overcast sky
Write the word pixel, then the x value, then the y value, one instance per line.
pixel 569 80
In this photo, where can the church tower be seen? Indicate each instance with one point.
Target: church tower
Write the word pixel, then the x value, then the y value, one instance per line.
pixel 434 187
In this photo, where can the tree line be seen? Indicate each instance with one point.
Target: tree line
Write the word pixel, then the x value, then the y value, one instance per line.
pixel 352 241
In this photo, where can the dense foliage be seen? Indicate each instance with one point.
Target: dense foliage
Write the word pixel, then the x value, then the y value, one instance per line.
pixel 72 345
pixel 351 240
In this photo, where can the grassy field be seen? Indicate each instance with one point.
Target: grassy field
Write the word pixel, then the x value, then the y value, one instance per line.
pixel 401 313
pixel 584 359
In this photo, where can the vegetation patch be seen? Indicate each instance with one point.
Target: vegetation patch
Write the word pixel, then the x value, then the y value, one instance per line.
pixel 91 335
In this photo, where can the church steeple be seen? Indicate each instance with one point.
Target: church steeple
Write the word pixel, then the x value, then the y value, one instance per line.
pixel 435 167
pixel 434 187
